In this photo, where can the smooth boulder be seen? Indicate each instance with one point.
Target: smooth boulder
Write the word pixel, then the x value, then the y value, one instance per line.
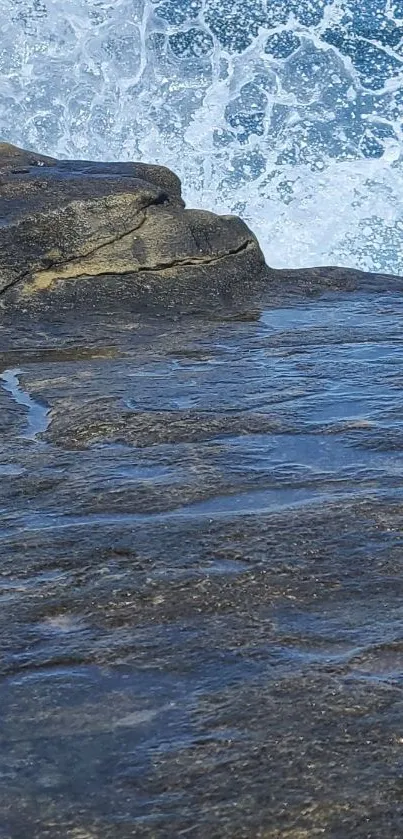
pixel 77 235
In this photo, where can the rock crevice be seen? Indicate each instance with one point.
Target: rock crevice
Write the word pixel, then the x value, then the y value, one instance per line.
pixel 75 234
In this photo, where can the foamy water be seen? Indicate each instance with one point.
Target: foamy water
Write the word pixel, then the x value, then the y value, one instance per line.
pixel 289 113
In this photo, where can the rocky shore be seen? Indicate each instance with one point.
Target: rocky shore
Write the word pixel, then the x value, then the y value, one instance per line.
pixel 201 522
pixel 82 237
pixel 100 236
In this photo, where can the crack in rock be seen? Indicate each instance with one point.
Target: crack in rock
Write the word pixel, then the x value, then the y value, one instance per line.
pixel 64 270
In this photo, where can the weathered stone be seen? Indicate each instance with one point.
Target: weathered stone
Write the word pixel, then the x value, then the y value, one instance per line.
pixel 201 519
pixel 92 236
pixel 200 574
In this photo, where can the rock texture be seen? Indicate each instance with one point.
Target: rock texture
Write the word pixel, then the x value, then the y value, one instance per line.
pixel 101 236
pixel 201 573
pixel 200 523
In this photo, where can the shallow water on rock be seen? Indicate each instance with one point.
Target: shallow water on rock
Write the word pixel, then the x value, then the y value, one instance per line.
pixel 201 574
pixel 37 414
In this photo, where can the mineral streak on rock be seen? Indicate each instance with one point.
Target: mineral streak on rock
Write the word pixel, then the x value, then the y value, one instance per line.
pixel 76 234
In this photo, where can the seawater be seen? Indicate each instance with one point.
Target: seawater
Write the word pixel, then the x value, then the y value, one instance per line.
pixel 288 112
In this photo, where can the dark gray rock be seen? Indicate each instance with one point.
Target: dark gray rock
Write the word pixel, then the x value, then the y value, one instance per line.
pixel 200 524
pixel 109 236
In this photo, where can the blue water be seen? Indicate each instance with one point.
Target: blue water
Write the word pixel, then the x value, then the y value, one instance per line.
pixel 37 421
pixel 289 112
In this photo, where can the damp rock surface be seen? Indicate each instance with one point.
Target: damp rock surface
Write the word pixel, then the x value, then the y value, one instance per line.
pixel 201 569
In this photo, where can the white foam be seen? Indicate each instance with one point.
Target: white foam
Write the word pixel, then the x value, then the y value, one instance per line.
pixel 99 79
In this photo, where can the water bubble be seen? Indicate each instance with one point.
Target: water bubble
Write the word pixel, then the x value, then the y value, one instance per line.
pixel 178 13
pixel 282 44
pixel 193 43
pixel 291 110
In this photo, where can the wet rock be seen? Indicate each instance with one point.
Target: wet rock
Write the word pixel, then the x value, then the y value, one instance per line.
pixel 112 236
pixel 200 572
pixel 11 414
pixel 201 527
pixel 102 422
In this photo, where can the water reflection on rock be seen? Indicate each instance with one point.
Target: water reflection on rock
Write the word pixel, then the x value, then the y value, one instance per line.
pixel 201 588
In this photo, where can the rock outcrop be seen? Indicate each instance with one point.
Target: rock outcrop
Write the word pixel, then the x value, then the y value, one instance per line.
pixel 106 236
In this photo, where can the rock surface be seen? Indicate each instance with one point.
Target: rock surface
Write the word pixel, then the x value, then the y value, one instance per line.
pixel 200 525
pixel 201 574
pixel 112 235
